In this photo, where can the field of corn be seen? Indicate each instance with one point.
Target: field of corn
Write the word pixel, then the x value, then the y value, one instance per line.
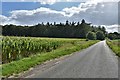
pixel 115 46
pixel 16 48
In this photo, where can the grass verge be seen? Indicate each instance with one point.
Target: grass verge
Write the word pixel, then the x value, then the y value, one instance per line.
pixel 16 67
pixel 115 46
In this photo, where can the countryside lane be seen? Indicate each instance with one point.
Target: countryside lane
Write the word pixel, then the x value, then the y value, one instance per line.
pixel 97 61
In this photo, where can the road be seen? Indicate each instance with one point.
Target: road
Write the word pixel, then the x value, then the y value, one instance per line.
pixel 97 61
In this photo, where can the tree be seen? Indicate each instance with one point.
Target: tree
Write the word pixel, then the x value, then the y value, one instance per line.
pixel 54 23
pixel 91 35
pixel 103 30
pixel 42 23
pixel 73 23
pixel 83 21
pixel 100 35
pixel 111 36
pixel 78 23
pixel 48 24
pixel 67 22
pixel 66 30
pixel 114 35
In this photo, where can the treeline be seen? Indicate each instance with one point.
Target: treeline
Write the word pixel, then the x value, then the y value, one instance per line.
pixel 66 30
pixel 114 35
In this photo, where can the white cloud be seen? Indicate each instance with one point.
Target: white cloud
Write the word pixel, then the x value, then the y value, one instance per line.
pixel 6 20
pixel 47 1
pixel 74 10
pixel 3 19
pixel 81 8
pixel 112 28
pixel 97 13
pixel 32 17
pixel 41 10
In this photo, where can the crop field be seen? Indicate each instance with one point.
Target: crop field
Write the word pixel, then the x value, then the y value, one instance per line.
pixel 15 48
pixel 115 46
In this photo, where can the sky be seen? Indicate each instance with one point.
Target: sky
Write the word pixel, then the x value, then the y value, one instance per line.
pixel 32 12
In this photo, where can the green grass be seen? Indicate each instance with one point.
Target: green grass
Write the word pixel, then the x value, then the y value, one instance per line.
pixel 115 46
pixel 24 64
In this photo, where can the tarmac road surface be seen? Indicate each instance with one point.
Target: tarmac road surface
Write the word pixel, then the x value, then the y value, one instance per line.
pixel 97 61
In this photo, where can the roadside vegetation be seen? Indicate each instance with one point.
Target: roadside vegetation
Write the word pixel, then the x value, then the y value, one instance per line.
pixel 16 48
pixel 63 47
pixel 115 46
pixel 99 35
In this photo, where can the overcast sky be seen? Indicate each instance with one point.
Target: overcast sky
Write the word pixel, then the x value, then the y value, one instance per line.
pixel 97 12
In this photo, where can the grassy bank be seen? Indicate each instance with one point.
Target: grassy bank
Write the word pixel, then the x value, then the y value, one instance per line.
pixel 72 45
pixel 115 46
